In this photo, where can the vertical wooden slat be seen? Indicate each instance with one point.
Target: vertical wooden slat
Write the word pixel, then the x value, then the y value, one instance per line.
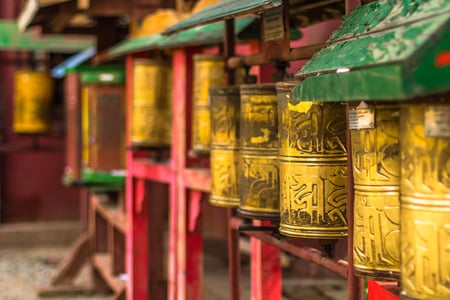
pixel 156 216
pixel 194 259
pixel 137 219
pixel 265 269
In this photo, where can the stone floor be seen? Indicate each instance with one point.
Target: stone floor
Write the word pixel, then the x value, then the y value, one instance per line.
pixel 23 269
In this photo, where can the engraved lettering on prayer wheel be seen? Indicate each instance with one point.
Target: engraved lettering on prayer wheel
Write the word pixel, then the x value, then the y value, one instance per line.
pixel 425 200
pixel 376 172
pixel 151 111
pixel 225 109
pixel 313 167
pixel 208 72
pixel 259 189
pixel 33 93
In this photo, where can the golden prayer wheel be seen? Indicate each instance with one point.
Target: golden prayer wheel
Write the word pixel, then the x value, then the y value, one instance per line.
pixel 425 199
pixel 259 174
pixel 313 167
pixel 84 126
pixel 225 109
pixel 151 111
pixel 376 171
pixel 208 72
pixel 32 99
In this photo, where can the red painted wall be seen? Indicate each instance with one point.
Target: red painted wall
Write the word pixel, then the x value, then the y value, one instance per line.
pixel 30 181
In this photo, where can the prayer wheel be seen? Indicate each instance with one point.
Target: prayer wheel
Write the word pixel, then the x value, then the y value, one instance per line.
pixel 151 112
pixel 208 72
pixel 259 174
pixel 225 109
pixel 103 119
pixel 376 172
pixel 313 167
pixel 425 199
pixel 33 95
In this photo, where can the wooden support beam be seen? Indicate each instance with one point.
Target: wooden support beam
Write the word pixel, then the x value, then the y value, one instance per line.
pixel 71 264
pixel 265 269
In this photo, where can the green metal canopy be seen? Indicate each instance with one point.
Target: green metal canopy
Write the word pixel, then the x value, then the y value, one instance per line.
pixel 225 9
pixel 385 50
pixel 202 35
pixel 131 45
pixel 245 28
pixel 12 39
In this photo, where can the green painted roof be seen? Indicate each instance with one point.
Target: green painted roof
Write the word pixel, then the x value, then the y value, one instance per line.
pixel 202 35
pixel 385 50
pixel 136 44
pixel 225 9
pixel 209 34
pixel 13 40
pixel 245 29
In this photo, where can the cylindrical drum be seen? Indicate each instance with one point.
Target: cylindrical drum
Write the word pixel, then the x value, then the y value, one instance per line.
pixel 225 109
pixel 84 126
pixel 376 173
pixel 425 200
pixel 259 174
pixel 72 96
pixel 32 98
pixel 208 72
pixel 103 114
pixel 313 167
pixel 151 111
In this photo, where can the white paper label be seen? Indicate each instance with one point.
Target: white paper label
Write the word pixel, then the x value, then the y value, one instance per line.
pixel 273 24
pixel 437 121
pixel 362 117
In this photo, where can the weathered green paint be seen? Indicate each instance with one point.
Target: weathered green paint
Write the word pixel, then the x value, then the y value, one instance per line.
pixel 386 14
pixel 102 75
pixel 427 77
pixel 389 60
pixel 13 40
pixel 102 178
pixel 368 84
pixel 224 10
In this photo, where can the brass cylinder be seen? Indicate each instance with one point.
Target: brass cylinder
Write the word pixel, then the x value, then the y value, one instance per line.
pixel 425 200
pixel 259 174
pixel 313 167
pixel 208 72
pixel 151 111
pixel 376 173
pixel 33 95
pixel 225 109
pixel 84 126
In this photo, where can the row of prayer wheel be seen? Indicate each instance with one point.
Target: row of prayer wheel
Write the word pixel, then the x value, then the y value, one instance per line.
pixel 280 159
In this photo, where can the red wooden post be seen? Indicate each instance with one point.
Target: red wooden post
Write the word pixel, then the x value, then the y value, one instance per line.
pixel 194 263
pixel 265 269
pixel 185 247
pixel 177 208
pixel 137 217
pixel 383 290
